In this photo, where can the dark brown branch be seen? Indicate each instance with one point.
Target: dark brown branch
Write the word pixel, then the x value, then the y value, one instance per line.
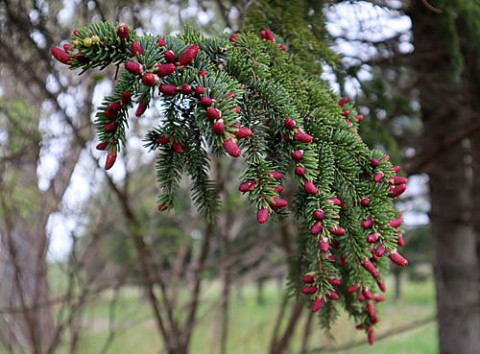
pixel 424 159
pixel 431 7
pixel 198 269
pixel 171 339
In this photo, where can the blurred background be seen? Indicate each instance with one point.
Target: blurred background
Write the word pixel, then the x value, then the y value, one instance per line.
pixel 88 264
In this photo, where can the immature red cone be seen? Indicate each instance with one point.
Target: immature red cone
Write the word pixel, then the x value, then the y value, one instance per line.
pixel 278 188
pixel 278 203
pixel 360 297
pixel 186 89
pixel 231 94
pixel 262 215
pixel 243 133
pixel 303 137
pixel 308 290
pixel 141 108
pixel 67 47
pixel 102 146
pixel 365 202
pixel 369 267
pixel 379 298
pixel 218 127
pixel 126 98
pixel 397 258
pixel 331 257
pixel 247 186
pixel 163 70
pixel 262 34
pixel 149 79
pixel 289 123
pixel 297 155
pixel 374 162
pixel 308 279
pixel 358 117
pixel 371 337
pixel 373 237
pixel 370 309
pixel 353 288
pixel 396 168
pixel 188 55
pixel 396 190
pixel 335 201
pixel 367 223
pixel 334 281
pixel 277 175
pixel 299 170
pixel 202 73
pixel 232 38
pixel 346 113
pixel 133 67
pixel 317 304
pixel 111 158
pixel 323 244
pixel 377 177
pixel 161 42
pixel 319 214
pixel 337 230
pixel 122 32
pixel 381 286
pixel 332 295
pixel 269 36
pixel 162 140
pixel 397 180
pixel 231 147
pixel 282 46
pixel 367 294
pixel 213 113
pixel 109 114
pixel 400 241
pixel 136 49
pixel 110 127
pixel 114 106
pixel 60 55
pixel 309 187
pixel 177 147
pixel 206 101
pixel 163 206
pixel 397 222
pixel 169 56
pixel 342 101
pixel 199 90
pixel 168 89
pixel 380 250
pixel 316 228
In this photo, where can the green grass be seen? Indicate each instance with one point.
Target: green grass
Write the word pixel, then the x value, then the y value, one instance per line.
pixel 251 324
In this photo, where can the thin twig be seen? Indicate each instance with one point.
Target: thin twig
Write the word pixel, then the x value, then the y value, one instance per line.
pixel 431 7
pixel 355 344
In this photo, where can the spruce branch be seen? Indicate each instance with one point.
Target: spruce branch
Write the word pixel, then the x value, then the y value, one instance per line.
pixel 245 96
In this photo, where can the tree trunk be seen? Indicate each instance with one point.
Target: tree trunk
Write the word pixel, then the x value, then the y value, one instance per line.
pixel 455 262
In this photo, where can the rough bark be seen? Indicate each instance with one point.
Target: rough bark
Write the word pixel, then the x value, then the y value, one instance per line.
pixel 455 263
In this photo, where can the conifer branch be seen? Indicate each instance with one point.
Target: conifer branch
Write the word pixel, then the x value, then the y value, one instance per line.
pixel 245 96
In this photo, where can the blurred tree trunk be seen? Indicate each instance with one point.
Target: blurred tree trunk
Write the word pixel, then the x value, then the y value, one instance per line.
pixel 443 107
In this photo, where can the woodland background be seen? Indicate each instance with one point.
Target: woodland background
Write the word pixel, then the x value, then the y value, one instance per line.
pixel 88 265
